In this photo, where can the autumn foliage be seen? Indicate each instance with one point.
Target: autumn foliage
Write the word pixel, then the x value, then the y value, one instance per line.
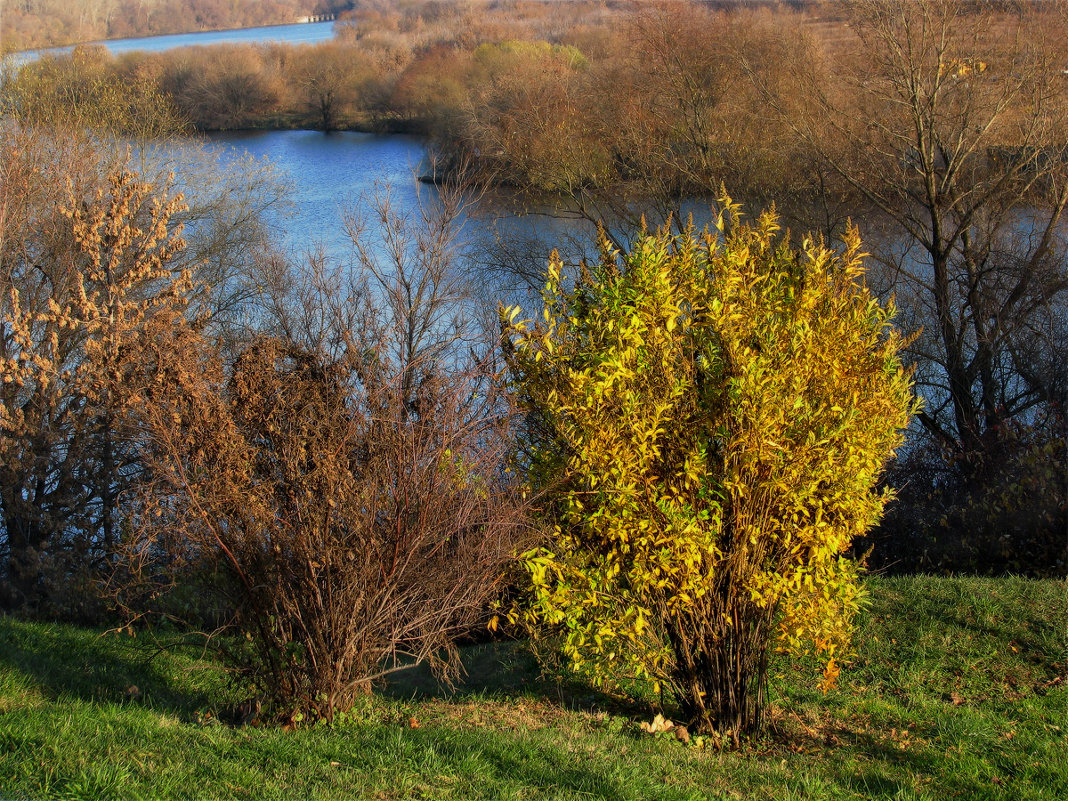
pixel 709 415
pixel 81 276
pixel 342 480
pixel 332 489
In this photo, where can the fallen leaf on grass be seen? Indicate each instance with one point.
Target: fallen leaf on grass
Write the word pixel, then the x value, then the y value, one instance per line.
pixel 659 724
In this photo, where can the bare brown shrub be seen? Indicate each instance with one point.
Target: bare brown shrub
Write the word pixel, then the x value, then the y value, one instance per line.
pixel 348 476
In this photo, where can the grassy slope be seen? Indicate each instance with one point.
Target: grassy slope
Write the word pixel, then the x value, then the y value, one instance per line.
pixel 959 690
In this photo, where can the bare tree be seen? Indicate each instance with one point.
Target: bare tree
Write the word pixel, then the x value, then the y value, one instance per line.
pixel 946 125
pixel 956 118
pixel 348 474
pixel 326 78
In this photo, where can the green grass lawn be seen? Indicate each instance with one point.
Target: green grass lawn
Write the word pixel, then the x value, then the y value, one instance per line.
pixel 959 690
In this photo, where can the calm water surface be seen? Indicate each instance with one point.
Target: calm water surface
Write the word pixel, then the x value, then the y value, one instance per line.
pixel 304 33
pixel 331 175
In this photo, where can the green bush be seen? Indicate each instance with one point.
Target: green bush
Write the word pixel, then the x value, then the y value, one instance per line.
pixel 709 415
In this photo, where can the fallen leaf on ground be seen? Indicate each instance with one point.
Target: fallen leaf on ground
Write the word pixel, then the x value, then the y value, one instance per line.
pixel 659 724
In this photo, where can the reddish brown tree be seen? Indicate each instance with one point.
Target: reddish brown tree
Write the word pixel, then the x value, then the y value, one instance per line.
pixel 347 477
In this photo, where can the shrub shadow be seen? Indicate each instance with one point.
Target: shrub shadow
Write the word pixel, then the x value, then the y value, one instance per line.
pixel 507 668
pixel 65 661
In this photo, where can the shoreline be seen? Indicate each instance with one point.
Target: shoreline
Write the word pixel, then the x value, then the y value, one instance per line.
pixel 277 124
pixel 57 49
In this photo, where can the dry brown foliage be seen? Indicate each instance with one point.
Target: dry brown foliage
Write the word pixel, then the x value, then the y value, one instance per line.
pixel 347 477
pixel 83 266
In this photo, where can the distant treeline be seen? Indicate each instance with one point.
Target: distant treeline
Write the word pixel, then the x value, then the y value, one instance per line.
pixel 28 24
pixel 425 66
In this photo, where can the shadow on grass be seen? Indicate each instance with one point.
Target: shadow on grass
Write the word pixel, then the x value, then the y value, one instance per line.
pixel 542 768
pixel 508 669
pixel 494 668
pixel 960 627
pixel 914 761
pixel 875 760
pixel 65 661
pixel 506 762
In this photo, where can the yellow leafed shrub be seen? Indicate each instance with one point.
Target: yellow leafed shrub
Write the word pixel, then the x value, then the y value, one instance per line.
pixel 708 415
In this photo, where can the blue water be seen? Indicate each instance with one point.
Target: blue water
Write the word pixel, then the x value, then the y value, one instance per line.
pixel 304 33
pixel 333 175
pixel 329 176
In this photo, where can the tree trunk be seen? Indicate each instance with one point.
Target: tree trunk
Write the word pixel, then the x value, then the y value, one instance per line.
pixel 721 670
pixel 24 535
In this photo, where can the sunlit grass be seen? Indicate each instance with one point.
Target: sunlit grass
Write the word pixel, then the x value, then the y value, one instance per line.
pixel 959 690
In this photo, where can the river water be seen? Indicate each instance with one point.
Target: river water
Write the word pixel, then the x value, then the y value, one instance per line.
pixel 304 33
pixel 329 176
